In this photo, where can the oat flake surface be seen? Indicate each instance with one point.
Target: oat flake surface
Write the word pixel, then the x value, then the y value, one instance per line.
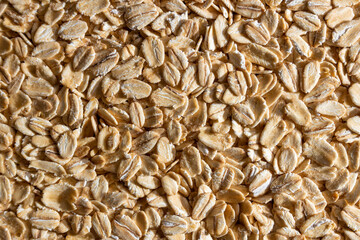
pixel 180 119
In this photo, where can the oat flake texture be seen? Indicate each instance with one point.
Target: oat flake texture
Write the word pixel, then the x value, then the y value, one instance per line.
pixel 180 119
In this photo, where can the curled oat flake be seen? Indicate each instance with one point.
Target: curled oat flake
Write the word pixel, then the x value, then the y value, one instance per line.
pixel 179 119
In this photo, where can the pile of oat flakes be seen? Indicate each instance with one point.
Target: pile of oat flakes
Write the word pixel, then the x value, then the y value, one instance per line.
pixel 172 119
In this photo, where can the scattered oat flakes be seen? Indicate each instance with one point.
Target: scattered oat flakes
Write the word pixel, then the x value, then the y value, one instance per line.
pixel 176 120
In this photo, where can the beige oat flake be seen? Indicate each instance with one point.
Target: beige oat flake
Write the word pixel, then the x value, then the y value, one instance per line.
pixel 73 29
